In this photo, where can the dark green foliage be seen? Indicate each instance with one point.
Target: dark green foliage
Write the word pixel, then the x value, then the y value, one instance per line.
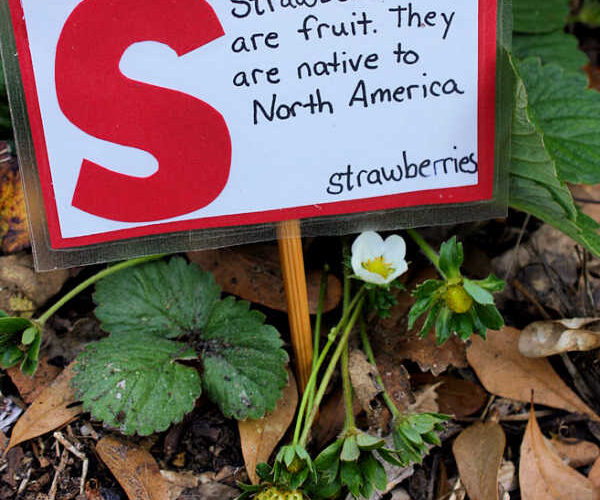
pixel 134 380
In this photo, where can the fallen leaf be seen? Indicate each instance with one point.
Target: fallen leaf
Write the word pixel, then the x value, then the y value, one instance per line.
pixel 178 482
pixel 210 491
pixel 54 407
pixel 577 454
pixel 505 372
pixel 546 338
pixel 391 336
pixel 22 290
pixel 478 452
pixel 254 274
pixel 134 468
pixel 260 437
pixel 364 379
pixel 14 227
pixel 542 473
pixel 397 381
pixel 426 400
pixel 455 396
pixel 594 474
pixel 31 387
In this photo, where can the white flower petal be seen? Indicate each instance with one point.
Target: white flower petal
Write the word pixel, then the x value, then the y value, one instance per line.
pixel 394 249
pixel 370 246
pixel 367 246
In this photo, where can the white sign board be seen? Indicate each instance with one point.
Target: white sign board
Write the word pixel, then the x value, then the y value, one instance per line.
pixel 165 115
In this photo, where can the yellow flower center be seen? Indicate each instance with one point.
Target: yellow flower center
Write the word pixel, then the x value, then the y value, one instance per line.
pixel 379 266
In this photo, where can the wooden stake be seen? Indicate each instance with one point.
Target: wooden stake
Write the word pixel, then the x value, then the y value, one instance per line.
pixel 294 280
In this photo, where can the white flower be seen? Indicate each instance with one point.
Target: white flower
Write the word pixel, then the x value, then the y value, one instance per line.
pixel 377 261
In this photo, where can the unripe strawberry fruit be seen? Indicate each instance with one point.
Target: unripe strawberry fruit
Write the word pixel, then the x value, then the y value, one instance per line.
pixel 275 493
pixel 458 300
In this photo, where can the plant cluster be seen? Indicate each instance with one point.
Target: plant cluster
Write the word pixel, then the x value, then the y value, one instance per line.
pixel 354 462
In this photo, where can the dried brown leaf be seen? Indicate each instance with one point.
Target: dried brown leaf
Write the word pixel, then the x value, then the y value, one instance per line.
pixel 134 468
pixel 457 397
pixel 364 379
pixel 594 474
pixel 14 228
pixel 31 387
pixel 505 372
pixel 577 454
pixel 254 273
pixel 478 452
pixel 53 408
pixel 544 476
pixel 260 437
pixel 546 338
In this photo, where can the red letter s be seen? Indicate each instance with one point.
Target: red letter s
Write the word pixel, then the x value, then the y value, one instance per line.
pixel 188 137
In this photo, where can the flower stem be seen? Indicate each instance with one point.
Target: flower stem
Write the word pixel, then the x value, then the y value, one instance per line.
pixel 371 357
pixel 330 369
pixel 427 250
pixel 90 281
pixel 344 366
pixel 313 376
pixel 317 332
pixel 348 396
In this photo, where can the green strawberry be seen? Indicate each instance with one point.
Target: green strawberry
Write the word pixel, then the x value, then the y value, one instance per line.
pixel 275 493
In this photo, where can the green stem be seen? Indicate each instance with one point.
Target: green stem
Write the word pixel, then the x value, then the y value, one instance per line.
pixel 317 332
pixel 348 396
pixel 330 369
pixel 427 249
pixel 346 383
pixel 90 281
pixel 371 357
pixel 313 376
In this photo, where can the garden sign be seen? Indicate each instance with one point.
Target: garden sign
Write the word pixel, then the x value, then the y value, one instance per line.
pixel 163 125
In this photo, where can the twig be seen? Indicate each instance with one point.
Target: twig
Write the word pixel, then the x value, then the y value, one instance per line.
pixel 79 454
pixel 59 470
pixel 25 482
pixel 519 417
pixel 517 284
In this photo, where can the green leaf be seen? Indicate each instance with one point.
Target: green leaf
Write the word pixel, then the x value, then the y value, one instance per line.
pixel 166 299
pixel 29 335
pixel 479 294
pixel 11 326
pixel 418 309
pixel 535 187
pixel 350 450
pixel 368 442
pixel 491 284
pixel 556 47
pixel 11 356
pixel 533 198
pixel 427 289
pixel 451 258
pixel 531 161
pixel 567 115
pixel 540 16
pixel 462 325
pixel 489 316
pixel 351 477
pixel 431 319
pixel 243 359
pixel 135 385
pixel 442 326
